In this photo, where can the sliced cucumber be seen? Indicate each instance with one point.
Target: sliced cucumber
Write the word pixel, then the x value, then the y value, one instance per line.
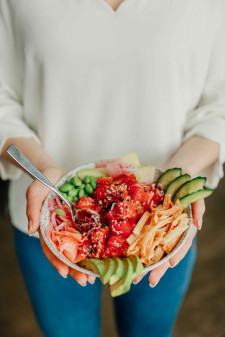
pixel 189 187
pixel 175 184
pixel 95 172
pixel 168 176
pixel 190 198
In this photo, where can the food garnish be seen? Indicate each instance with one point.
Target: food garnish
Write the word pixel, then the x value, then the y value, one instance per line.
pixel 125 221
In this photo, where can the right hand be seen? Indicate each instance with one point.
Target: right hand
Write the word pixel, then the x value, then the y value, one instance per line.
pixel 36 194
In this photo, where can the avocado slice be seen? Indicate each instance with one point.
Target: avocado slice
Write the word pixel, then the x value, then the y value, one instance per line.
pixel 123 285
pixel 189 187
pixel 137 265
pixel 168 176
pixel 97 266
pixel 175 184
pixel 190 198
pixel 118 270
pixel 108 271
pixel 95 172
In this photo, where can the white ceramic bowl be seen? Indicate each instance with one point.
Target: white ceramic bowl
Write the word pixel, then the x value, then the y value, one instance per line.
pixel 44 222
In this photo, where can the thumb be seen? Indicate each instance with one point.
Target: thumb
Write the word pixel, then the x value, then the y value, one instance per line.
pixel 36 194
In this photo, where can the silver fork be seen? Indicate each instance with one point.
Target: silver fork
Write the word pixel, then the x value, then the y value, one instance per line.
pixel 19 157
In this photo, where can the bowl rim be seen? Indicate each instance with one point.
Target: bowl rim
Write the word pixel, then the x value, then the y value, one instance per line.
pixel 44 221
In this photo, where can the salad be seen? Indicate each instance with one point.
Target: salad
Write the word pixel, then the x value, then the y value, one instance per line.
pixel 124 220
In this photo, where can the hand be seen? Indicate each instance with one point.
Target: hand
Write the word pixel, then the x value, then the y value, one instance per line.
pixel 198 211
pixel 36 194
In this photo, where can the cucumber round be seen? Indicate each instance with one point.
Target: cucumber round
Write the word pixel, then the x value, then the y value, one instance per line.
pixel 168 176
pixel 175 184
pixel 189 187
pixel 190 198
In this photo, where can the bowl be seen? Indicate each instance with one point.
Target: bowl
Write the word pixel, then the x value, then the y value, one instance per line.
pixel 44 222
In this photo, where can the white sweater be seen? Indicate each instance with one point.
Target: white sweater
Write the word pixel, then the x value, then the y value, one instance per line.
pixel 91 83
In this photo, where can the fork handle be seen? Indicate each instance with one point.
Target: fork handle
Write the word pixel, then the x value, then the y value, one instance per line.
pixel 19 157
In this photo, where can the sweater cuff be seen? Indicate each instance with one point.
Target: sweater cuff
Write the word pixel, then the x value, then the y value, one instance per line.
pixel 212 129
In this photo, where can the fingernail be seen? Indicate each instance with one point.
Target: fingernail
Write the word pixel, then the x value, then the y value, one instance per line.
pixel 30 227
pixel 63 275
pixel 136 282
pixel 152 285
pixel 199 224
pixel 92 282
pixel 82 284
pixel 174 265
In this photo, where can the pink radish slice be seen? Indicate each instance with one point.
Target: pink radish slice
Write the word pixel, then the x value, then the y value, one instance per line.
pixel 48 231
pixel 116 169
pixel 53 219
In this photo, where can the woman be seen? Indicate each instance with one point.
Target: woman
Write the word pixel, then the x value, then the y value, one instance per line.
pixel 89 80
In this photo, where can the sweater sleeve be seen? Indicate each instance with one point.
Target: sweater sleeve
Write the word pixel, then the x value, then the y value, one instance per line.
pixel 208 119
pixel 12 123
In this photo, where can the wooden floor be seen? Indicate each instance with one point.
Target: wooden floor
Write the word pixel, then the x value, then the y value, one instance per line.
pixel 203 311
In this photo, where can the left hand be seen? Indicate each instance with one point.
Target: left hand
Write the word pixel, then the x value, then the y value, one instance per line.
pixel 198 209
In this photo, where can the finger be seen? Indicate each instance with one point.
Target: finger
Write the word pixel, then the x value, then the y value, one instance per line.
pixel 138 278
pixel 61 267
pixel 36 194
pixel 81 278
pixel 198 210
pixel 157 273
pixel 183 250
pixel 91 279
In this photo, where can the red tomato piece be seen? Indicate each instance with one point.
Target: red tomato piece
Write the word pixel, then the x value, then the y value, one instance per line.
pixel 138 207
pixel 88 203
pixel 158 196
pixel 125 179
pixel 121 210
pixel 123 228
pixel 124 210
pixel 142 193
pixel 104 181
pixel 99 235
pixel 115 246
pixel 85 248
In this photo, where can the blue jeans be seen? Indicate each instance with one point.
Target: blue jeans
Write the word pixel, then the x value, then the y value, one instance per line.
pixel 65 309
